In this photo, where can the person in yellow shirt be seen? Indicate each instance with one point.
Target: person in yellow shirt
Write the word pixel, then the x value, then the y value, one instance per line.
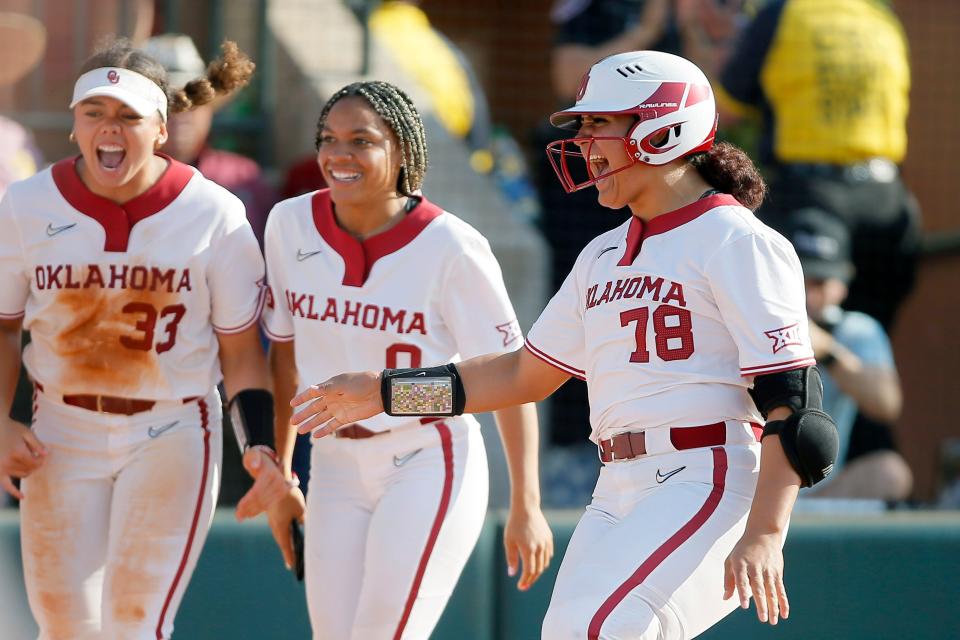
pixel 437 66
pixel 831 80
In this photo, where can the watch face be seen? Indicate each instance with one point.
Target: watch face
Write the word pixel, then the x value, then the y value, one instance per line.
pixel 421 396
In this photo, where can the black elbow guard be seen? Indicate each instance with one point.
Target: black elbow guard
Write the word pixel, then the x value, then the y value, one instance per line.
pixel 251 415
pixel 796 389
pixel 810 441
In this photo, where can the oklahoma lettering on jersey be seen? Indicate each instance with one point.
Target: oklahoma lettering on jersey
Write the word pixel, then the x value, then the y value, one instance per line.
pixel 643 287
pixel 125 300
pixel 369 316
pixel 425 292
pixel 691 304
pixel 112 276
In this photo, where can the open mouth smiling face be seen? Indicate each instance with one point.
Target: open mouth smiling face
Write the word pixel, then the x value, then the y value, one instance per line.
pixel 110 155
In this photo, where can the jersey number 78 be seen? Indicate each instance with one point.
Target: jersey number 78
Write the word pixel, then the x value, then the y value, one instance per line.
pixel 672 329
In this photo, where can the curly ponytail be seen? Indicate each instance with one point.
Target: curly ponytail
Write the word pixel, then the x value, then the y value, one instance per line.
pixel 729 169
pixel 226 74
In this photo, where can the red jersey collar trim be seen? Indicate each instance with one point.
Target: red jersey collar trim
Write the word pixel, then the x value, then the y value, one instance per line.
pixel 118 220
pixel 360 256
pixel 638 231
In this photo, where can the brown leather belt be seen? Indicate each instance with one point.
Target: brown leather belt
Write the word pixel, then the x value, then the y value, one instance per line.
pixel 110 404
pixel 359 432
pixel 633 444
pixel 356 432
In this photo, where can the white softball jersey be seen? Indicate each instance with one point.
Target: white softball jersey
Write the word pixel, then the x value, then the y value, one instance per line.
pixel 393 517
pixel 669 321
pixel 126 300
pixel 692 304
pixel 361 305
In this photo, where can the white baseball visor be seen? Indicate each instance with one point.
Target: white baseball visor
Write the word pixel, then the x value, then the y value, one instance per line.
pixel 138 92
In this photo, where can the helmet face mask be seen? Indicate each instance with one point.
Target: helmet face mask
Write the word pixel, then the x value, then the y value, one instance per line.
pixel 669 96
pixel 561 151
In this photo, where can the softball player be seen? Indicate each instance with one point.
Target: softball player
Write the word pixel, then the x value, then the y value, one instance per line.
pixel 370 274
pixel 688 324
pixel 140 284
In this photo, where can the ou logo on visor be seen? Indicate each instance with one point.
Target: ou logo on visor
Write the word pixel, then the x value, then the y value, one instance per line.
pixel 113 76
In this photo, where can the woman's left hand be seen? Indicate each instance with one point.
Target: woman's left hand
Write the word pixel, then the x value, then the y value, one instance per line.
pixel 323 408
pixel 527 537
pixel 269 485
pixel 755 568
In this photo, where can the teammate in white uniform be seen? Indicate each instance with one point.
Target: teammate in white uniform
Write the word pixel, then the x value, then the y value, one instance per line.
pixel 140 283
pixel 670 318
pixel 370 274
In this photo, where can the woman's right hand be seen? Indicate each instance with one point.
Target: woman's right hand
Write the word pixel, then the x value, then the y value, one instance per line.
pixel 323 408
pixel 280 514
pixel 21 453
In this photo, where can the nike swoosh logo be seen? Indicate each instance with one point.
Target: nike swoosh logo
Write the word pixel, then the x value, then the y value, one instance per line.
pixel 399 461
pixel 663 477
pixel 604 251
pixel 422 373
pixel 52 230
pixel 303 255
pixel 153 432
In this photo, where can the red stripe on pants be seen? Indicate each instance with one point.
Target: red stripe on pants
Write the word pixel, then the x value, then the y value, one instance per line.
pixel 446 444
pixel 204 424
pixel 668 547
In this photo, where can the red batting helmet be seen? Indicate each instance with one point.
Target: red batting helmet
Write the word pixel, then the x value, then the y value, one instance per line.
pixel 669 95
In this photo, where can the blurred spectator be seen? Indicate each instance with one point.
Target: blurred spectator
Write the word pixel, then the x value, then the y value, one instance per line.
pixel 709 29
pixel 588 30
pixel 22 42
pixel 831 80
pixel 189 133
pixel 19 156
pixel 855 359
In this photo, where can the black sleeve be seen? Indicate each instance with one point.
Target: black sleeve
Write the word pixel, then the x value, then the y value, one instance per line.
pixel 741 77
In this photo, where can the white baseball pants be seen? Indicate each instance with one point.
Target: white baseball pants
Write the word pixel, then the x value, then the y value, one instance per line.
pixel 391 522
pixel 112 524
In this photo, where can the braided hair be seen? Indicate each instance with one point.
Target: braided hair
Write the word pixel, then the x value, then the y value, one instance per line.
pixel 398 111
pixel 225 75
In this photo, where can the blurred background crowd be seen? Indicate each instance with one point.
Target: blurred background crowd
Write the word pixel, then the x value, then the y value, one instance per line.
pixel 848 105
